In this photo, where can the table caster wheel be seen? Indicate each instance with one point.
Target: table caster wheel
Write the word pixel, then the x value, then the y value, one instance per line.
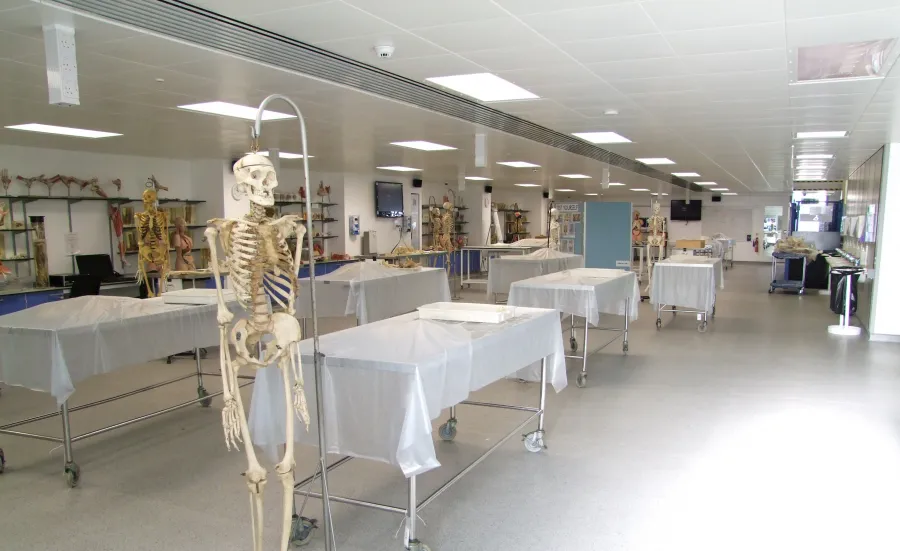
pixel 581 380
pixel 573 344
pixel 168 359
pixel 447 431
pixel 73 474
pixel 771 290
pixel 301 530
pixel 702 327
pixel 534 442
pixel 202 393
pixel 624 347
pixel 418 546
pixel 801 292
pixel 658 323
pixel 2 461
pixel 203 353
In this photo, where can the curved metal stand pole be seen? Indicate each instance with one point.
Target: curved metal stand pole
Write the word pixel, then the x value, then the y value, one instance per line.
pixel 320 409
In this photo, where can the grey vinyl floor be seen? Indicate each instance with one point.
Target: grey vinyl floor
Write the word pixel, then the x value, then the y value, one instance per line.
pixel 762 434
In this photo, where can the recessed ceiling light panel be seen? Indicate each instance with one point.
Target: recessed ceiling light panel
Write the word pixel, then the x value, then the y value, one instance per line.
pixel 602 137
pixel 528 185
pixel 424 146
pixel 592 194
pixel 719 189
pixel 639 189
pixel 399 168
pixel 686 174
pixel 63 130
pixel 810 156
pixel 479 178
pixel 655 161
pixel 615 184
pixel 706 184
pixel 575 176
pixel 483 86
pixel 519 164
pixel 821 134
pixel 567 190
pixel 282 155
pixel 226 109
pixel 840 62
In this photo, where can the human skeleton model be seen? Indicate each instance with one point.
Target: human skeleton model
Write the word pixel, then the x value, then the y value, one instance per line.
pixel 656 238
pixel 554 230
pixel 153 242
pixel 447 228
pixel 259 259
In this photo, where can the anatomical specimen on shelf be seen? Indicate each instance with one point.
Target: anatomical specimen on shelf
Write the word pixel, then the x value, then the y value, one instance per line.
pixel 152 182
pixel 115 216
pixel 30 181
pixel 183 243
pixel 554 230
pixel 153 243
pixel 5 180
pixel 263 271
pixel 118 184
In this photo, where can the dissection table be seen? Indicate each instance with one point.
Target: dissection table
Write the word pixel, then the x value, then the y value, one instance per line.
pixel 585 293
pixel 52 347
pixel 687 284
pixel 386 381
pixel 504 271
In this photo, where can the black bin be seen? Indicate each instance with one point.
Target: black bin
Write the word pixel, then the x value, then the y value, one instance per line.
pixel 839 278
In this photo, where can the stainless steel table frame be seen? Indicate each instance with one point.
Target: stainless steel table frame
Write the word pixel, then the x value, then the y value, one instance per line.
pixel 533 441
pixel 581 378
pixel 71 469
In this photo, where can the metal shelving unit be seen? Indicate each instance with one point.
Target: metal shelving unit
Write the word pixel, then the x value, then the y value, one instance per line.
pixel 325 218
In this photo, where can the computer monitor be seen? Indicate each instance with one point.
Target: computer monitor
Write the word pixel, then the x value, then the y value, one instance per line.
pixel 99 265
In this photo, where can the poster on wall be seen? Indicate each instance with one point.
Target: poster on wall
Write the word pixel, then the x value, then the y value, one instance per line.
pixel 571 226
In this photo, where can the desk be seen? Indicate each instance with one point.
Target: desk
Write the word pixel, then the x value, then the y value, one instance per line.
pixel 385 382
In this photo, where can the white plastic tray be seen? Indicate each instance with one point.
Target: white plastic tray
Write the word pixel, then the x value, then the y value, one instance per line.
pixel 466 311
pixel 196 296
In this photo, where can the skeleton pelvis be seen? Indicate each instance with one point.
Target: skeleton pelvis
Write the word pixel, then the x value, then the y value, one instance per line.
pixel 247 336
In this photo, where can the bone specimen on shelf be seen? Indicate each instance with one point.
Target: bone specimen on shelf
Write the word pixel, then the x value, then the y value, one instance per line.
pixel 554 230
pixel 5 180
pixel 118 185
pixel 263 270
pixel 152 182
pixel 30 181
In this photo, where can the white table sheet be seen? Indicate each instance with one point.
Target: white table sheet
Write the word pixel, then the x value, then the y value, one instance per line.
pixel 53 346
pixel 687 281
pixel 585 292
pixel 372 291
pixel 506 270
pixel 385 381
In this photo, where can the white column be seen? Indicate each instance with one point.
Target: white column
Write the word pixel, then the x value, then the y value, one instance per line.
pixel 885 319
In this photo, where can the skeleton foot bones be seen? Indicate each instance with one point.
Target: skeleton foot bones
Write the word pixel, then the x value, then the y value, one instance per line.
pixel 263 273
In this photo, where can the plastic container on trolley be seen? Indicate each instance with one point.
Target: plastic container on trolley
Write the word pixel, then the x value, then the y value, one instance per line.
pixel 843 299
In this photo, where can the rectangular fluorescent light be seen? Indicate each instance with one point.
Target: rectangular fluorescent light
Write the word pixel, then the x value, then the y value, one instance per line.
pixel 424 146
pixel 484 87
pixel 234 110
pixel 611 184
pixel 706 183
pixel 602 137
pixel 564 189
pixel 686 174
pixel 810 156
pixel 592 194
pixel 479 178
pixel 399 168
pixel 282 155
pixel 730 193
pixel 639 189
pixel 528 185
pixel 821 134
pixel 659 194
pixel 719 189
pixel 575 176
pixel 655 161
pixel 63 130
pixel 519 164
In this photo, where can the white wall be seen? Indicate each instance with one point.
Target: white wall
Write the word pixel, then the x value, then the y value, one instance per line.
pixel 885 320
pixel 89 218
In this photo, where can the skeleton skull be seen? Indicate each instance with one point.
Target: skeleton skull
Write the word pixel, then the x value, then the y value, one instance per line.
pixel 656 208
pixel 255 175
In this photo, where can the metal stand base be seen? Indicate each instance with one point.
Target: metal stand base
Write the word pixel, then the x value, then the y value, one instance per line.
pixel 702 316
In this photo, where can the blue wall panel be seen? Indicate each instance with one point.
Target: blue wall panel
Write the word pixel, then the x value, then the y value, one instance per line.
pixel 607 235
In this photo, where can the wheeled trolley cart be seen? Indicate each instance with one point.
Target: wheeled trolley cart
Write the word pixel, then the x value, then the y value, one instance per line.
pixel 783 259
pixel 687 284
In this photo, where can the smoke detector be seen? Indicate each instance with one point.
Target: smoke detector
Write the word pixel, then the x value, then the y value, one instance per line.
pixel 384 49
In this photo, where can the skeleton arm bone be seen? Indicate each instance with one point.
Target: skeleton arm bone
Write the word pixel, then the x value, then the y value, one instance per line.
pixel 223 316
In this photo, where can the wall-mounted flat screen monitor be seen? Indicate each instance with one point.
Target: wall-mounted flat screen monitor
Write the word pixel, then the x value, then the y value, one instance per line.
pixel 388 199
pixel 687 211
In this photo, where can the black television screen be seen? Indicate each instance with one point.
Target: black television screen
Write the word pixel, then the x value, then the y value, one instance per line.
pixel 388 199
pixel 686 211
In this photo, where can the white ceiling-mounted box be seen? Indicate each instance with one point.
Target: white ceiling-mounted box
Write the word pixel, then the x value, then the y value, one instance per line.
pixel 62 68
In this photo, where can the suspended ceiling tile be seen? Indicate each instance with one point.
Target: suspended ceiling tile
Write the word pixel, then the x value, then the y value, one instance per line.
pixel 568 71
pixel 399 12
pixel 148 50
pixel 805 9
pixel 435 66
pixel 526 7
pixel 242 8
pixel 619 49
pixel 480 35
pixel 686 15
pixel 661 85
pixel 321 22
pixel 639 68
pixel 15 46
pixel 592 23
pixel 17 71
pixel 363 48
pixel 538 55
pixel 856 27
pixel 752 60
pixel 728 39
pixel 29 21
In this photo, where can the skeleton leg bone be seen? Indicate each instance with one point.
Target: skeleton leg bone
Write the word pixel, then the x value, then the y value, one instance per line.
pixel 285 468
pixel 255 474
